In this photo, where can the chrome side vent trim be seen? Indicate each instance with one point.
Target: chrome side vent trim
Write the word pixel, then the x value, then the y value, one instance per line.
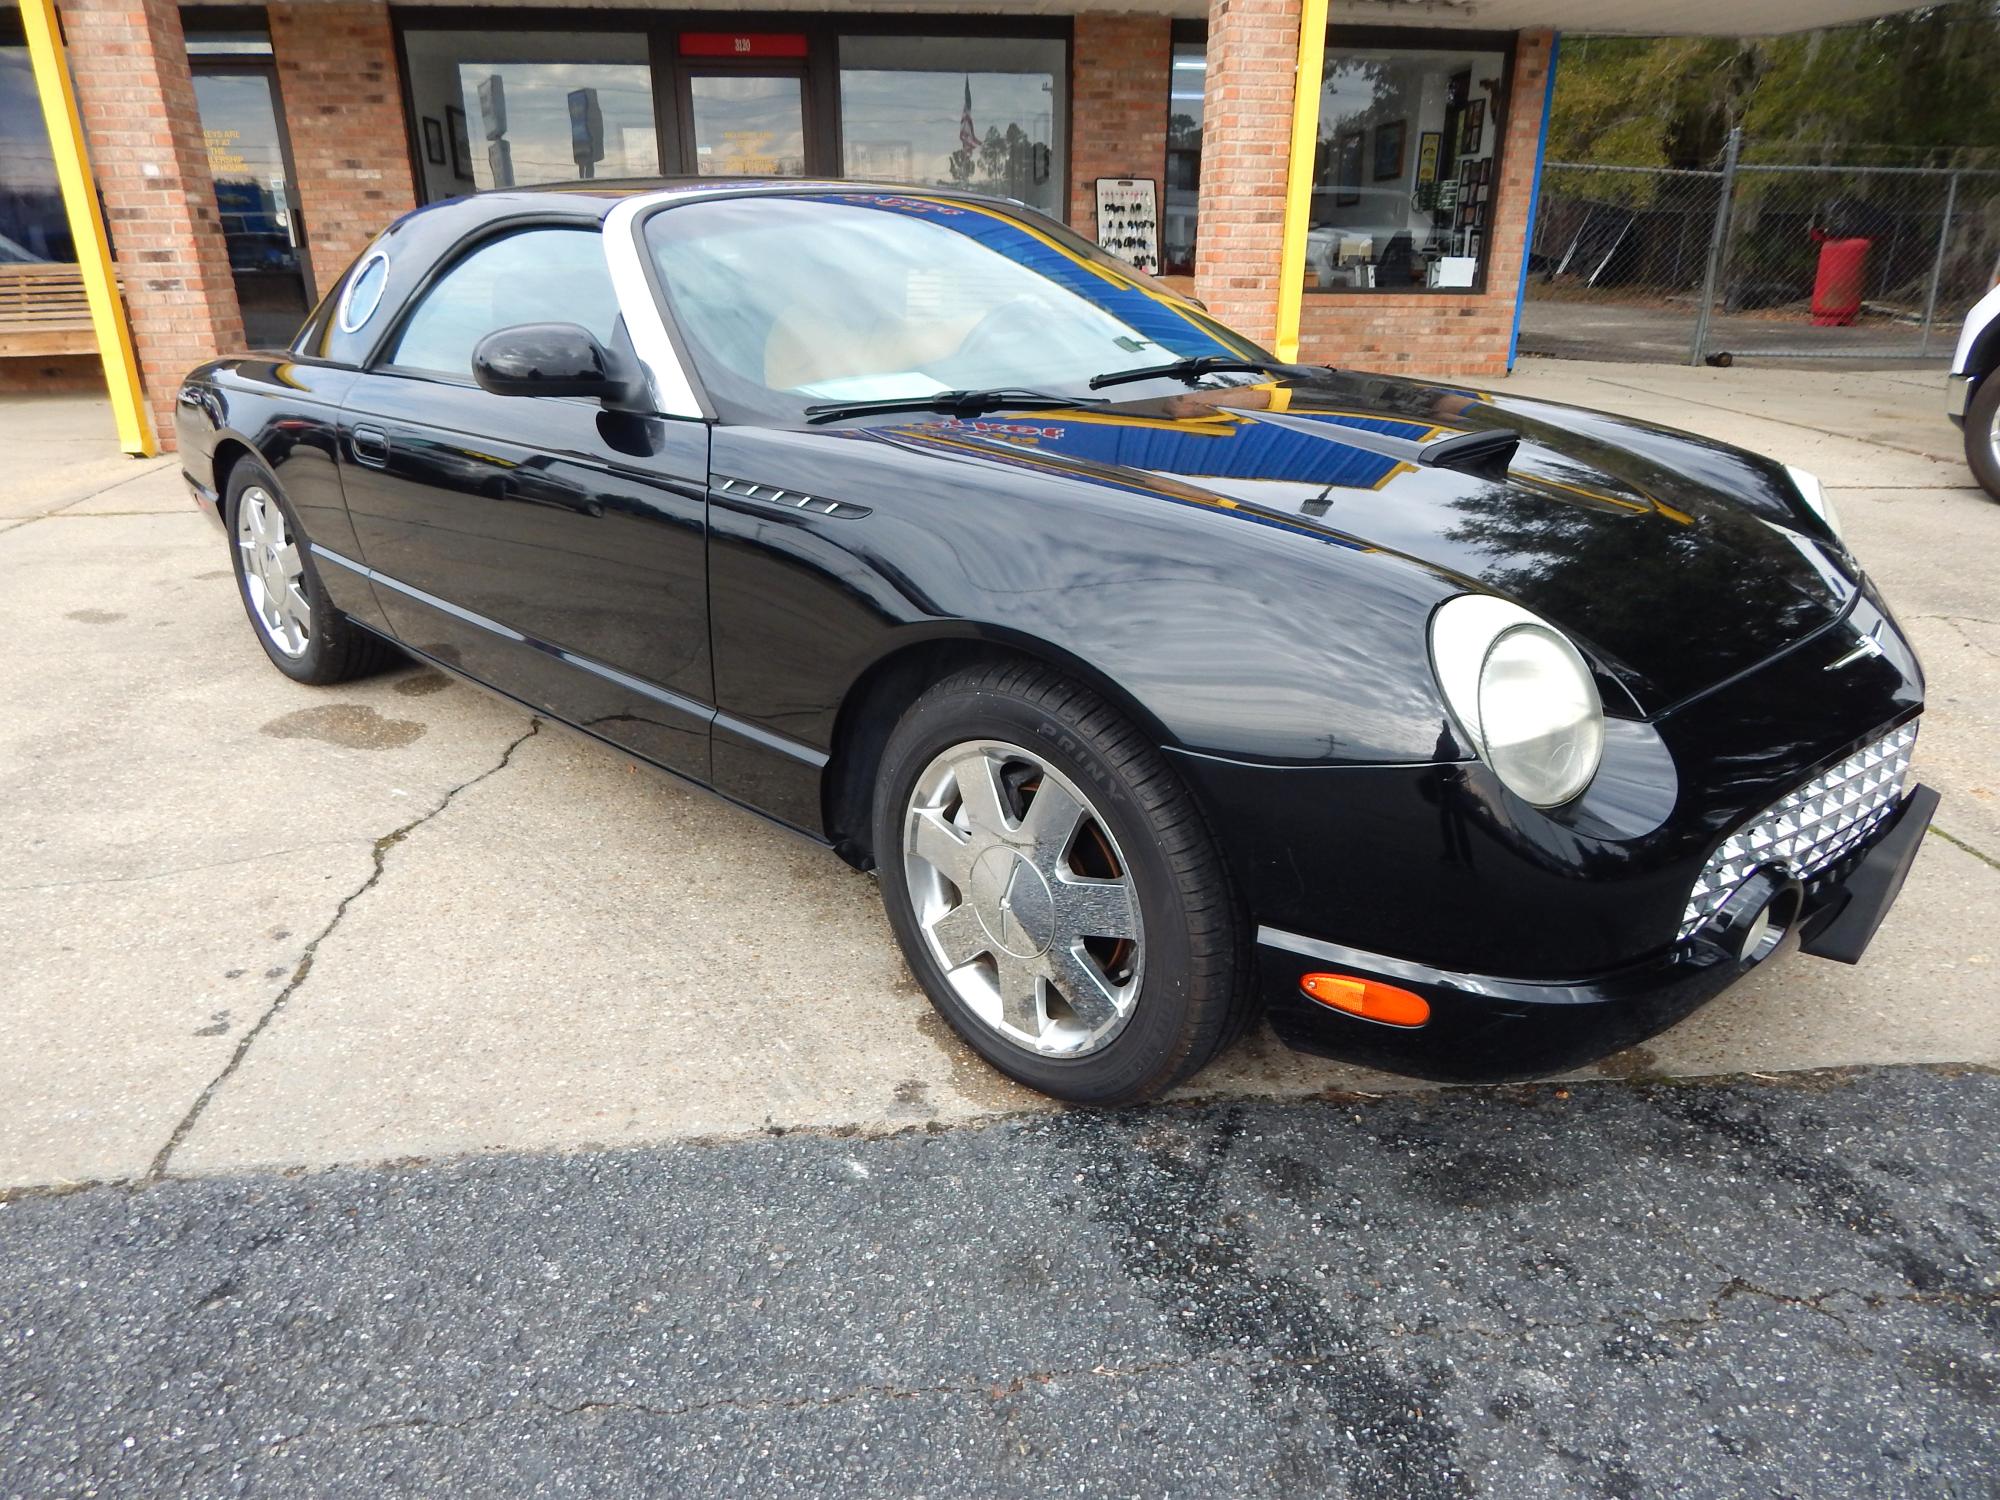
pixel 770 494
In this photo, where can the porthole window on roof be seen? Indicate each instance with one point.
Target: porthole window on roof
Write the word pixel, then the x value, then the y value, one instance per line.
pixel 364 293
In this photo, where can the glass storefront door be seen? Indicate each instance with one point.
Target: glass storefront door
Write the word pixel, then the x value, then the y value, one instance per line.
pixel 255 197
pixel 746 124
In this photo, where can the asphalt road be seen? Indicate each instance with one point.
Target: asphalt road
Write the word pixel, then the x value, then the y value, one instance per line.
pixel 1732 1289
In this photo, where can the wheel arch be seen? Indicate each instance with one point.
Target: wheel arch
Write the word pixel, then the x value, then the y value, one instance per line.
pixel 1985 352
pixel 231 448
pixel 883 691
pixel 1977 348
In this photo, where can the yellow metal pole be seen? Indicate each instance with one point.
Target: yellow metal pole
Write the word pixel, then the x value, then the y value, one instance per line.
pixel 1298 179
pixel 86 227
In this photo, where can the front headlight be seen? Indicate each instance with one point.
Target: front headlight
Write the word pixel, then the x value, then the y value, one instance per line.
pixel 1814 494
pixel 1523 695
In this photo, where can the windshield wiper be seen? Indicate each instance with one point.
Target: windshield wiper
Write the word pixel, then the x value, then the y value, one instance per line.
pixel 1192 369
pixel 958 403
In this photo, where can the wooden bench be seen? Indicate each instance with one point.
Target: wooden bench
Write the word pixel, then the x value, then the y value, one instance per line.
pixel 43 310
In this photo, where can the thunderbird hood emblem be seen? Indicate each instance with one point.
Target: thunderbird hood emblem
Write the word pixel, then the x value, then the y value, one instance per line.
pixel 1868 645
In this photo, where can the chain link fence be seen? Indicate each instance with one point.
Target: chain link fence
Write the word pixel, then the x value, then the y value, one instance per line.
pixel 1758 260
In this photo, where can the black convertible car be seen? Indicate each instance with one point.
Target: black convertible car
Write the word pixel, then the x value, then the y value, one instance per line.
pixel 1159 682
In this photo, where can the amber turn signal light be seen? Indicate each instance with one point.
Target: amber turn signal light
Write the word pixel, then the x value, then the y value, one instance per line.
pixel 1369 998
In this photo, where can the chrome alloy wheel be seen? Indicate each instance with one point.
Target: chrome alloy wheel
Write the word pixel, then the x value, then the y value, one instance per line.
pixel 1024 898
pixel 1993 436
pixel 273 571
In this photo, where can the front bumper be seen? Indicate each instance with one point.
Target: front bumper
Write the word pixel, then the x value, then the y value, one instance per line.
pixel 1957 397
pixel 1488 1030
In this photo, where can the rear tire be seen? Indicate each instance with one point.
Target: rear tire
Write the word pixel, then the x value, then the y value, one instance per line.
pixel 1086 940
pixel 1982 434
pixel 291 614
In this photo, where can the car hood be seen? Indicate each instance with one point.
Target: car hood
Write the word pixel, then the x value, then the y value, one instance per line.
pixel 1676 562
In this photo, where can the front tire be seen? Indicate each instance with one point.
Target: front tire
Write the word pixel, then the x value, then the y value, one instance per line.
pixel 294 619
pixel 1055 889
pixel 1982 434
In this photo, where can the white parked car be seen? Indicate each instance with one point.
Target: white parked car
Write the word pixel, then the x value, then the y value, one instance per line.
pixel 1974 396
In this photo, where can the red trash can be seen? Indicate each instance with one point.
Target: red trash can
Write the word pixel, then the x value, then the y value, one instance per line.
pixel 1843 268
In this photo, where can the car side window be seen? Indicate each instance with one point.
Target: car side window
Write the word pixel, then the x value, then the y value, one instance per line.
pixel 530 276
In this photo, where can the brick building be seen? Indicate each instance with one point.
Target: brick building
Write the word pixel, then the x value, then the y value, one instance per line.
pixel 244 153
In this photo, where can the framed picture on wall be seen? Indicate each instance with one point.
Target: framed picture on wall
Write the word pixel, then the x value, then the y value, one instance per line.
pixel 433 141
pixel 461 143
pixel 1475 126
pixel 1389 142
pixel 1428 146
pixel 1468 178
pixel 1485 170
pixel 1347 170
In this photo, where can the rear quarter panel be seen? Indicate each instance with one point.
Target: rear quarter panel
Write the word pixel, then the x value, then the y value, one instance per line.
pixel 284 413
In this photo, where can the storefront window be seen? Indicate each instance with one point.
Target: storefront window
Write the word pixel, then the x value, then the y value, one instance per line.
pixel 1403 176
pixel 1183 198
pixel 510 108
pixel 32 224
pixel 984 113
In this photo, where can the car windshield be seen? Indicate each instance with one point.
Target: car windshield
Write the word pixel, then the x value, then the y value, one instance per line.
pixel 801 300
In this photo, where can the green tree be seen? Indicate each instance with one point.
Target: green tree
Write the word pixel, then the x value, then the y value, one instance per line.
pixel 1914 88
pixel 1638 101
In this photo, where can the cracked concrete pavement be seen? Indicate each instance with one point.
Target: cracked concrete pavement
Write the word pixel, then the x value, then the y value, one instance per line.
pixel 1604 1289
pixel 253 924
pixel 303 971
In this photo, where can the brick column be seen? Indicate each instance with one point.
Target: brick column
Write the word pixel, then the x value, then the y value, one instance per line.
pixel 136 96
pixel 337 75
pixel 1513 195
pixel 1246 147
pixel 1121 70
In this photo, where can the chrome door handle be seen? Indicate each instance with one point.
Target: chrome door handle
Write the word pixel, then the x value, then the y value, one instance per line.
pixel 370 445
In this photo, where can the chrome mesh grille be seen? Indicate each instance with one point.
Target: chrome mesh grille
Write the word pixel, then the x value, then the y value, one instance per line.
pixel 1813 826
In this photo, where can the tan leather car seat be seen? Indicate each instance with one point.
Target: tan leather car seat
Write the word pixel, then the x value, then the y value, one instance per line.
pixel 813 341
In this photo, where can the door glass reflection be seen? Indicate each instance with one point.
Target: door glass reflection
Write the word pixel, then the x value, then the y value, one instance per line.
pixel 253 199
pixel 748 126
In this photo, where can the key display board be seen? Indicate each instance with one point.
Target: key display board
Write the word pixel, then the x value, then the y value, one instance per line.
pixel 1128 221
